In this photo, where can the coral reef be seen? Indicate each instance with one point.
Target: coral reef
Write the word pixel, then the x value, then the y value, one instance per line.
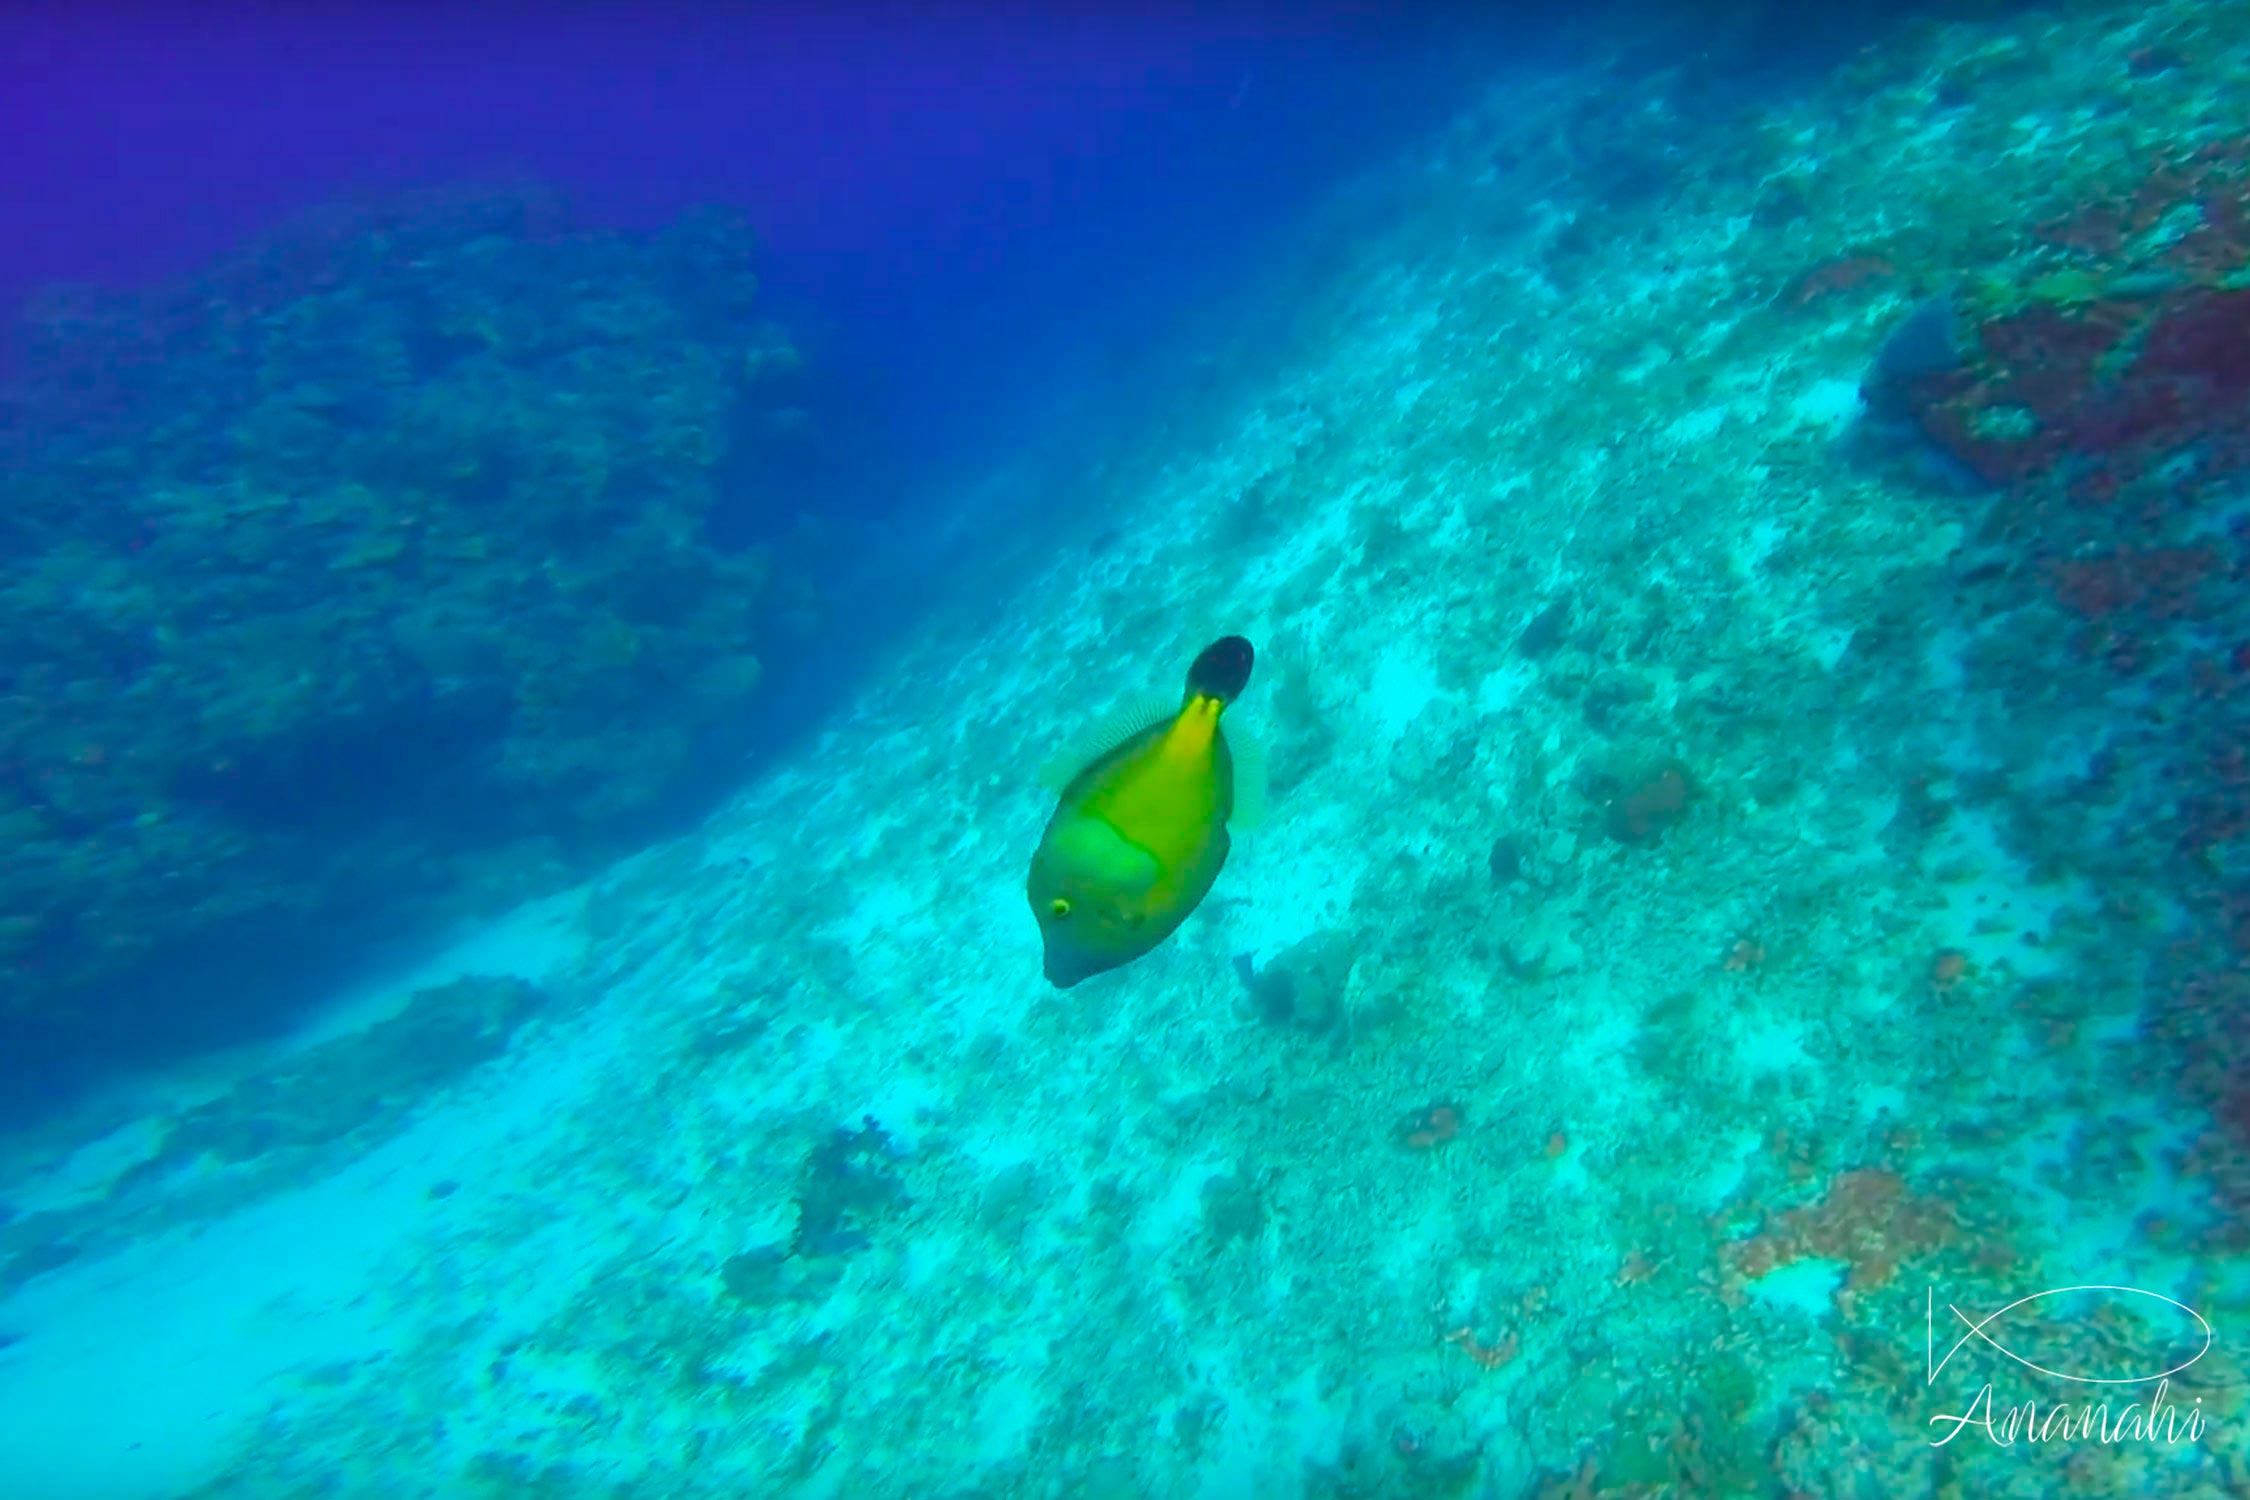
pixel 1647 802
pixel 2096 376
pixel 2113 355
pixel 1867 1220
pixel 2099 383
pixel 357 585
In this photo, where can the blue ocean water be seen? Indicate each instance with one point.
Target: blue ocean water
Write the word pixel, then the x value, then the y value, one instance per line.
pixel 1140 751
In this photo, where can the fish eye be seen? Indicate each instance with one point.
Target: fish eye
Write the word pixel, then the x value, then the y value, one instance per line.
pixel 1059 907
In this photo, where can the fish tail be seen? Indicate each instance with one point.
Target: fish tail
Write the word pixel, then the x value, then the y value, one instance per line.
pixel 1222 671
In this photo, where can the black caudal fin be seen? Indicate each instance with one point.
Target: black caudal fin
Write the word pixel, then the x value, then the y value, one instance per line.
pixel 1223 670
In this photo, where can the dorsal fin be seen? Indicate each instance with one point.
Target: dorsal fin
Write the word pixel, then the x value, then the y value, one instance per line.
pixel 1134 716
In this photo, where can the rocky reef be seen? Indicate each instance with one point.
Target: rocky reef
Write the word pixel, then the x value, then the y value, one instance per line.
pixel 361 583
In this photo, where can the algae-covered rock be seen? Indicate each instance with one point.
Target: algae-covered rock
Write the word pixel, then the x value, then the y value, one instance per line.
pixel 1305 985
pixel 849 1184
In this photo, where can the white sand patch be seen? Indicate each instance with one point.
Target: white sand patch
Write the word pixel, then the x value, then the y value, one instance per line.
pixel 1827 403
pixel 145 1372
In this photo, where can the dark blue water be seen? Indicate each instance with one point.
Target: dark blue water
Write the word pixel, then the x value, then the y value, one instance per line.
pixel 948 199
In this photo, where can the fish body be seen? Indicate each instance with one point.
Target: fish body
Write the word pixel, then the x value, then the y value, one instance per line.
pixel 1140 831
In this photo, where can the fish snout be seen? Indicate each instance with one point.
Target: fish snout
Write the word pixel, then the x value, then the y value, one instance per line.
pixel 1064 969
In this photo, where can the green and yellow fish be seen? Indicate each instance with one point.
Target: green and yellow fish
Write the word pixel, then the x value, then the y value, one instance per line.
pixel 1141 830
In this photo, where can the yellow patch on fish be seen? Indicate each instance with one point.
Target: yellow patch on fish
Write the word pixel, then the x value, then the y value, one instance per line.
pixel 1140 832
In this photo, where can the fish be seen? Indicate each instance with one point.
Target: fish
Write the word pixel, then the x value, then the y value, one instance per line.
pixel 1139 832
